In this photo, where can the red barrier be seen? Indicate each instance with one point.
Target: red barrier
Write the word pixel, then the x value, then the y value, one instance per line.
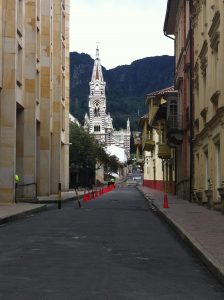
pixel 165 201
pixel 85 197
pixel 88 196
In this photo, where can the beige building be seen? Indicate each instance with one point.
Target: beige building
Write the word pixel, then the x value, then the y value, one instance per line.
pixel 158 153
pixel 208 26
pixel 177 26
pixel 34 97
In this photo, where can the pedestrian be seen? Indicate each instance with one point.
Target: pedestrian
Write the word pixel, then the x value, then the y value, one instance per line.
pixel 112 181
pixel 16 180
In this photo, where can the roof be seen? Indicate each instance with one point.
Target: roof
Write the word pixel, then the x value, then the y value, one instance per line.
pixel 161 92
pixel 170 18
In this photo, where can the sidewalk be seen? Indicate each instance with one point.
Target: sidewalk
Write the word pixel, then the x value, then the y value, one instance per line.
pixel 10 212
pixel 202 228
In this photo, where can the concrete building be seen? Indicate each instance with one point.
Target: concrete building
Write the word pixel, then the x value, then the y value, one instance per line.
pixel 208 27
pixel 177 26
pixel 34 97
pixel 98 122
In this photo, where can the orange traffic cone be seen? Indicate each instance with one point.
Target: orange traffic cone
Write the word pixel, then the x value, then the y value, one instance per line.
pixel 165 201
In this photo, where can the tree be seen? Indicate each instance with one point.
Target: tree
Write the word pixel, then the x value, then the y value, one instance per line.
pixel 85 152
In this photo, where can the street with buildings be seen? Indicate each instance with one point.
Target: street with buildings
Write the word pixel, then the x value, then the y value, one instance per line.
pixel 114 247
pixel 159 234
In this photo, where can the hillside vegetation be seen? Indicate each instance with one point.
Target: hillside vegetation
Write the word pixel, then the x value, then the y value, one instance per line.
pixel 126 86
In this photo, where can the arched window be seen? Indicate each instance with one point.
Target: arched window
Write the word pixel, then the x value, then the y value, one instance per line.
pixel 96 112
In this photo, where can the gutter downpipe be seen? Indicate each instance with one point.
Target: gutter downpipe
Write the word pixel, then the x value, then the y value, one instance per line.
pixel 174 73
pixel 191 104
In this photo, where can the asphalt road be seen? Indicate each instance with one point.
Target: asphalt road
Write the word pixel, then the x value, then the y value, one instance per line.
pixel 112 248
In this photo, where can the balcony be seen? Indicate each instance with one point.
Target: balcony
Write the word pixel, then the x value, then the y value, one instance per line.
pixel 175 131
pixel 149 145
pixel 164 151
pixel 137 138
pixel 140 160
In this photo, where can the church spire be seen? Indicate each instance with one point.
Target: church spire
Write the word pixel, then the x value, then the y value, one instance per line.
pixel 97 68
pixel 97 53
pixel 128 125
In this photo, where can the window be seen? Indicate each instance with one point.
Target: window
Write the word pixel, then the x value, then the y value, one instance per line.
pixel 19 63
pixel 96 112
pixel 20 18
pixel 97 128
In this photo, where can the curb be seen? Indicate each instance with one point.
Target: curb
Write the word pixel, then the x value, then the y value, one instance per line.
pixel 52 201
pixel 55 201
pixel 23 214
pixel 211 264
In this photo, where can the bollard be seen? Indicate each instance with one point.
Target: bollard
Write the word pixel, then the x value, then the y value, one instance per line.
pixel 77 196
pixel 59 196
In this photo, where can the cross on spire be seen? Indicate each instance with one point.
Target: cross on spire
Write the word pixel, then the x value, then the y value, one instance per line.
pixel 97 50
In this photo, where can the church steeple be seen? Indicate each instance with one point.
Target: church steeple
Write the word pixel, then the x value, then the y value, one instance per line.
pixel 97 100
pixel 97 53
pixel 97 69
pixel 99 123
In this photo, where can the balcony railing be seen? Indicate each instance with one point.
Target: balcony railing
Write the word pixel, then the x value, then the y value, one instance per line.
pixel 164 151
pixel 149 145
pixel 174 130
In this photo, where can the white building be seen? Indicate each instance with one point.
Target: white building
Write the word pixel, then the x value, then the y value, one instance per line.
pixel 98 122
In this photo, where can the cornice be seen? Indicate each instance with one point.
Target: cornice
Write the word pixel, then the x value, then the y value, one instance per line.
pixel 204 111
pixel 203 58
pixel 196 76
pixel 213 33
pixel 218 118
pixel 215 97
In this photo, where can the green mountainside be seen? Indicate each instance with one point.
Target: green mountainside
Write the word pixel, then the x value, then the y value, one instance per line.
pixel 126 86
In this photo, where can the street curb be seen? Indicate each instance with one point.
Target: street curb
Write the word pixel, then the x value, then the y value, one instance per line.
pixel 212 265
pixel 52 201
pixel 23 214
pixel 55 201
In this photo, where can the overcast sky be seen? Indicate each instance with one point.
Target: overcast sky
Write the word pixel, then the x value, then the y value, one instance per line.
pixel 126 30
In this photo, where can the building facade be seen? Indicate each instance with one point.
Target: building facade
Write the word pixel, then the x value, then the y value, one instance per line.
pixel 98 122
pixel 208 26
pixel 158 154
pixel 177 25
pixel 34 97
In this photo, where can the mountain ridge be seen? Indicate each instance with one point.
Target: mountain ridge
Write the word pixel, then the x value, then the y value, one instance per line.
pixel 126 86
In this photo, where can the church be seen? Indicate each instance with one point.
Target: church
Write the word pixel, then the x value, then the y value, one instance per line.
pixel 100 123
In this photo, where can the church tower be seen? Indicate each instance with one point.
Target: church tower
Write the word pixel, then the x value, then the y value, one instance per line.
pixel 97 101
pixel 98 122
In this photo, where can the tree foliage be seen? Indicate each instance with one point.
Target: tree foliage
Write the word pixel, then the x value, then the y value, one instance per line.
pixel 85 151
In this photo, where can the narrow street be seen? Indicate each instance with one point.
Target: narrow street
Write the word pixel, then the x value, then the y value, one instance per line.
pixel 113 248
